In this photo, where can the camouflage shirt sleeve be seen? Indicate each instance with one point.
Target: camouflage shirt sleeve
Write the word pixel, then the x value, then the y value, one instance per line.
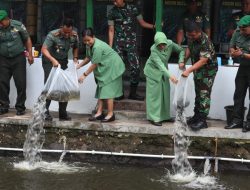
pixel 205 50
pixel 137 13
pixel 111 18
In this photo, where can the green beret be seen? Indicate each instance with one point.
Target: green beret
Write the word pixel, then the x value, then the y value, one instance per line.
pixel 3 14
pixel 244 21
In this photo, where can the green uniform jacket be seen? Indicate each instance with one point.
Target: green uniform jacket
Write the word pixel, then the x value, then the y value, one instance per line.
pixel 156 65
pixel 109 64
pixel 59 46
pixel 242 42
pixel 157 74
pixel 12 39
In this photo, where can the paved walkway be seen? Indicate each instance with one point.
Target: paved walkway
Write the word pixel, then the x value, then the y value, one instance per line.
pixel 127 122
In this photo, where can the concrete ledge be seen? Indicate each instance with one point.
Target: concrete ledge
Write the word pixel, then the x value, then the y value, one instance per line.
pixel 124 125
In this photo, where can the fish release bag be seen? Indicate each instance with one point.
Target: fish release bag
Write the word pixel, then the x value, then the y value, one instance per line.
pixel 62 85
pixel 181 97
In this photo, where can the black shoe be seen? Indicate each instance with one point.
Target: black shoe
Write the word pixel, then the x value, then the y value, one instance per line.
pixel 3 111
pixel 20 112
pixel 120 98
pixel 99 117
pixel 192 119
pixel 246 127
pixel 200 124
pixel 65 118
pixel 159 123
pixel 234 126
pixel 136 97
pixel 112 118
pixel 47 117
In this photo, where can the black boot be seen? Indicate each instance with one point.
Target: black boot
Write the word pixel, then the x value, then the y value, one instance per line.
pixel 193 119
pixel 246 127
pixel 133 95
pixel 48 117
pixel 201 123
pixel 47 104
pixel 63 115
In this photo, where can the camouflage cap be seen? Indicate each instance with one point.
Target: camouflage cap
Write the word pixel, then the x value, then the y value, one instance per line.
pixel 3 14
pixel 244 21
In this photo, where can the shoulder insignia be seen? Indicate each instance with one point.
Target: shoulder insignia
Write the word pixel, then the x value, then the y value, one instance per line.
pixel 198 19
pixel 23 27
pixel 14 29
pixel 57 33
pixel 74 33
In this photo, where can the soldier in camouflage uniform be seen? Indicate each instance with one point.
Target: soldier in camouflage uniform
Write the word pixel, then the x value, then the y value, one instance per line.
pixel 13 38
pixel 240 48
pixel 55 51
pixel 122 37
pixel 204 67
pixel 192 14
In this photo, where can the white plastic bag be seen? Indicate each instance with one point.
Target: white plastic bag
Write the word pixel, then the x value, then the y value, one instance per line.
pixel 62 85
pixel 181 98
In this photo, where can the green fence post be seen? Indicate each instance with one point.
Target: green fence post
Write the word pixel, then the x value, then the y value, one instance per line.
pixel 159 5
pixel 89 10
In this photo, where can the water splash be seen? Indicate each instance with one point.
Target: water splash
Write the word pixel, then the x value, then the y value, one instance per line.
pixel 53 167
pixel 35 135
pixel 63 139
pixel 207 167
pixel 183 172
pixel 180 164
pixel 205 181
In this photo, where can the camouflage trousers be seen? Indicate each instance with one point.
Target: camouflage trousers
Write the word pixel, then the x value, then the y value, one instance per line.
pixel 203 89
pixel 125 48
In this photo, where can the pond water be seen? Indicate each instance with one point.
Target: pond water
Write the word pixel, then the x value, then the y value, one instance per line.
pixel 18 175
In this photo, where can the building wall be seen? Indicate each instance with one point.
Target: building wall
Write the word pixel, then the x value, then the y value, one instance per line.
pixel 222 93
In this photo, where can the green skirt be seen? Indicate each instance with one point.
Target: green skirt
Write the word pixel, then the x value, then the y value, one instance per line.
pixel 158 99
pixel 110 90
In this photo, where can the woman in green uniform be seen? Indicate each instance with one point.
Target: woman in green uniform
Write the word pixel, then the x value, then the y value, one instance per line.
pixel 157 78
pixel 108 68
